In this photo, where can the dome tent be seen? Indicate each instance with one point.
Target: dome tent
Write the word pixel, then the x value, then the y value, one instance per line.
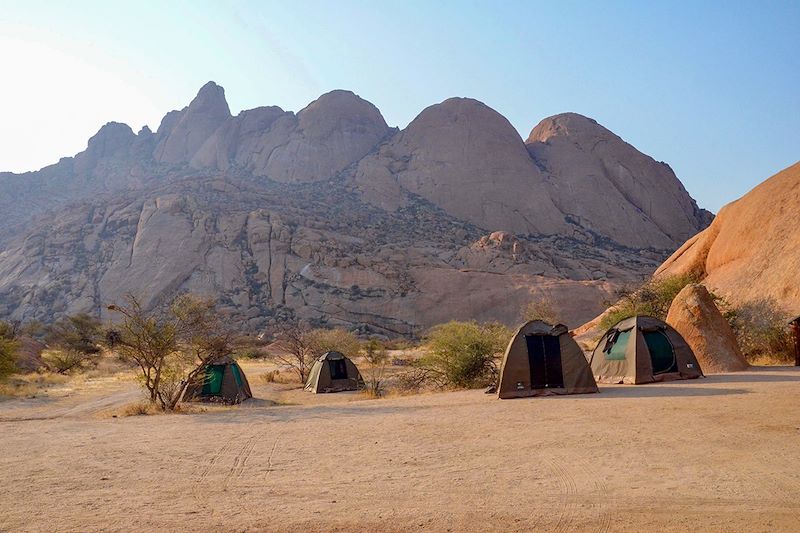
pixel 334 372
pixel 220 380
pixel 643 349
pixel 544 360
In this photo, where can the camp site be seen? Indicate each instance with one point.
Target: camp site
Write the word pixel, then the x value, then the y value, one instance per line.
pixel 448 266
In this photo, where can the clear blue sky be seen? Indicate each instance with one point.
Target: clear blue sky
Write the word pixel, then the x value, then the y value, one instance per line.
pixel 712 88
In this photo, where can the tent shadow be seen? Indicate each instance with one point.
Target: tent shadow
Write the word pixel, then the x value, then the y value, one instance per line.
pixel 270 411
pixel 759 375
pixel 654 390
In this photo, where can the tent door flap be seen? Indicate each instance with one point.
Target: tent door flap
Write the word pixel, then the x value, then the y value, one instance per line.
pixel 544 359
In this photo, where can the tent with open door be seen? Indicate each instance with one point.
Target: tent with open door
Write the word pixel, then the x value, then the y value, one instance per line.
pixel 219 380
pixel 334 372
pixel 643 349
pixel 542 360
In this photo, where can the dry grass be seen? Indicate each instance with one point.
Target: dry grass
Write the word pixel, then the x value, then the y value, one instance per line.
pixel 771 359
pixel 370 394
pixel 278 376
pixel 29 385
pixel 140 409
pixel 145 408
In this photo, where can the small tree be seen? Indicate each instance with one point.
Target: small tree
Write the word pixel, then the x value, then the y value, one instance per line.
pixel 73 341
pixel 169 345
pixel 462 354
pixel 149 339
pixel 376 357
pixel 298 354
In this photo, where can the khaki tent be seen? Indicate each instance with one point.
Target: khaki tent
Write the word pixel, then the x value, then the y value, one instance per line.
pixel 220 380
pixel 541 360
pixel 643 349
pixel 333 372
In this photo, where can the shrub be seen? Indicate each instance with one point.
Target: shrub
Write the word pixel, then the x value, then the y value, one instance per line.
pixel 8 350
pixel 762 332
pixel 462 354
pixel 653 298
pixel 376 357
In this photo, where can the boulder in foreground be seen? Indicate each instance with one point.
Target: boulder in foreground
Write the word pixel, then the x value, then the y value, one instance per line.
pixel 695 316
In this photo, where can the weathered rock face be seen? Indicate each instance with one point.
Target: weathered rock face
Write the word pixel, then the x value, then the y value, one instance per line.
pixel 271 252
pixel 749 253
pixel 603 184
pixel 327 215
pixel 695 316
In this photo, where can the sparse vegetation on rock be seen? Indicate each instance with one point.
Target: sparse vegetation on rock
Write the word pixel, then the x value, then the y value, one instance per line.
pixel 653 298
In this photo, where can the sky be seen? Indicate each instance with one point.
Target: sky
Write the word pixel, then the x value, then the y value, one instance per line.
pixel 712 88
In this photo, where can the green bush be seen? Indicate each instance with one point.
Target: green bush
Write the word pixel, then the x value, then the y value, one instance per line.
pixel 8 357
pixel 8 349
pixel 652 299
pixel 462 354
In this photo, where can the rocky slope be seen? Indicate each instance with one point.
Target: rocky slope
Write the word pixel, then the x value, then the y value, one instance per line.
pixel 331 216
pixel 750 251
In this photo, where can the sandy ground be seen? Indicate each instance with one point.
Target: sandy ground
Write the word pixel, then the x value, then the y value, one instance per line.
pixel 718 454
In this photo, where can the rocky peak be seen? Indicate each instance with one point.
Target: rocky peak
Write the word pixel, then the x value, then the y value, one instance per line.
pixel 567 124
pixel 112 139
pixel 210 101
pixel 341 111
pixel 184 132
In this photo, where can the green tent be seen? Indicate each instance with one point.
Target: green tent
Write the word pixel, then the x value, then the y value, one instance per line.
pixel 643 349
pixel 220 380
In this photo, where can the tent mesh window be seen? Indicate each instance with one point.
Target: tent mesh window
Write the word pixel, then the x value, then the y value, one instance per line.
pixel 619 343
pixel 544 359
pixel 661 352
pixel 338 369
pixel 213 380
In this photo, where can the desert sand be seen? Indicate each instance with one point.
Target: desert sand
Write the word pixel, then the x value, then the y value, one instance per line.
pixel 715 454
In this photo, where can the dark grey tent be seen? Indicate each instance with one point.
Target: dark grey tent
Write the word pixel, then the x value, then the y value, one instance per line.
pixel 544 360
pixel 220 380
pixel 334 372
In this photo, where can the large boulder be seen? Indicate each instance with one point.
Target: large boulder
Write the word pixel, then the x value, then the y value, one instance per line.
pixel 695 316
pixel 749 253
